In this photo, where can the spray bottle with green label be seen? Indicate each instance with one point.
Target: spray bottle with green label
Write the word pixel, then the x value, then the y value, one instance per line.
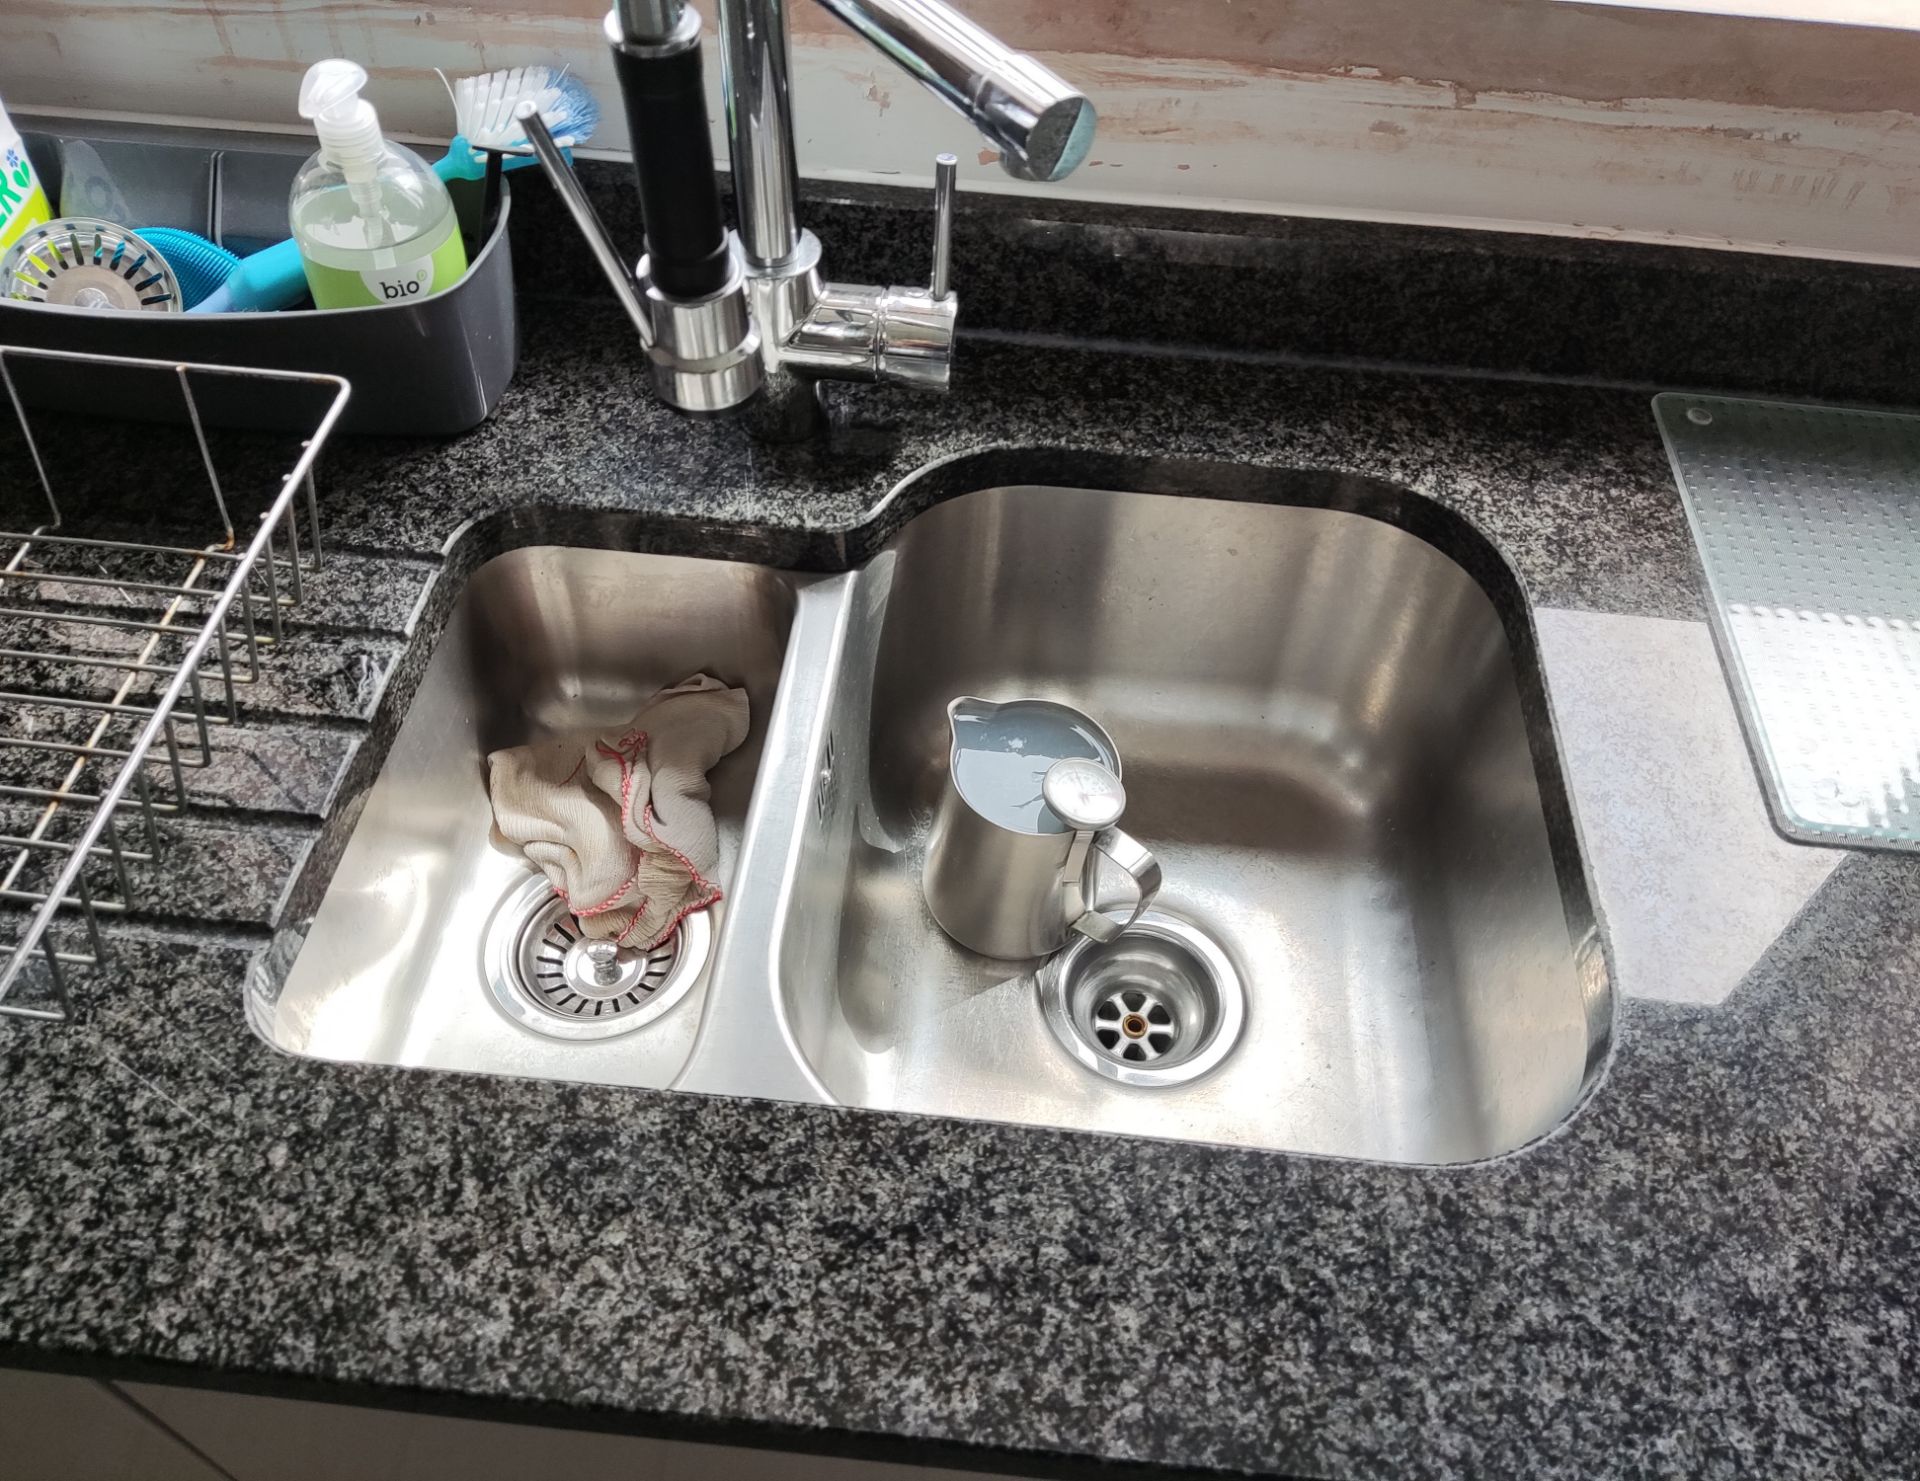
pixel 22 202
pixel 373 222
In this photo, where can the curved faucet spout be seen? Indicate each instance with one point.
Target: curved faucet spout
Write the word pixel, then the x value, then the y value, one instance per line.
pixel 1042 125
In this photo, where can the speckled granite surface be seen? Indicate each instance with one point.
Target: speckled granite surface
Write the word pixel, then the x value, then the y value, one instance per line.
pixel 1710 1270
pixel 1269 287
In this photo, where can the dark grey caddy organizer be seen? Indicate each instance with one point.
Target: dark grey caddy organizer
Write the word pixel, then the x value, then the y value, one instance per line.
pixel 430 368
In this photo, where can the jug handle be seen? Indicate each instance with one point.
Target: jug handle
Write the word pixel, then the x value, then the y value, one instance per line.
pixel 1130 854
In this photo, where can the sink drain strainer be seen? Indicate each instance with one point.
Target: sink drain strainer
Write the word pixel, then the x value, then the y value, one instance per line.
pixel 548 977
pixel 1159 1005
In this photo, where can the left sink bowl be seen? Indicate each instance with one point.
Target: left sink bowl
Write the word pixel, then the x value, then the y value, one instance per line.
pixel 434 945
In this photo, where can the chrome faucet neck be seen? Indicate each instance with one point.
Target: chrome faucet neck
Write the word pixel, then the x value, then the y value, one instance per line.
pixel 756 71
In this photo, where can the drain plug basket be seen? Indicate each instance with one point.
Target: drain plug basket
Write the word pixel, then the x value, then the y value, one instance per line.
pixel 1161 1004
pixel 547 976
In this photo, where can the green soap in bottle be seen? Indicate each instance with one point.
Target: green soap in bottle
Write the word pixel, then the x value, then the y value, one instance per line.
pixel 374 224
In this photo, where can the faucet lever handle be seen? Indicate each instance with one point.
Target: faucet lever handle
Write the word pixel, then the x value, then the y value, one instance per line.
pixel 573 196
pixel 946 170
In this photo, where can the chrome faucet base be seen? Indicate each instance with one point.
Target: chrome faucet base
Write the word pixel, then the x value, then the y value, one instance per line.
pixel 813 330
pixel 894 336
pixel 791 406
pixel 706 351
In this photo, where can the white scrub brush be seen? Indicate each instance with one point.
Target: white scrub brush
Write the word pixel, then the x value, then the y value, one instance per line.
pixel 483 109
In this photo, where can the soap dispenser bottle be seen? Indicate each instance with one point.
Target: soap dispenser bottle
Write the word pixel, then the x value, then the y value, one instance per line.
pixel 373 222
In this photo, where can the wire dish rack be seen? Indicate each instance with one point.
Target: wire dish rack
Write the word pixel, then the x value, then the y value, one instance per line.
pixel 126 643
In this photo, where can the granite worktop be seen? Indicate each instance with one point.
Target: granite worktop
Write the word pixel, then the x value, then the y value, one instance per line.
pixel 1709 1269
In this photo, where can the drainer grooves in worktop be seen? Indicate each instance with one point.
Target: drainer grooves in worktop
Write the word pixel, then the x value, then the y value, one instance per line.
pixel 144 574
pixel 1807 520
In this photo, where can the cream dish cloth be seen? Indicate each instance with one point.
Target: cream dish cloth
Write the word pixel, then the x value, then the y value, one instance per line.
pixel 621 821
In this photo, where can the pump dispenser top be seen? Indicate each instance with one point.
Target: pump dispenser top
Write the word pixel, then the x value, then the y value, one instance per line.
pixel 347 124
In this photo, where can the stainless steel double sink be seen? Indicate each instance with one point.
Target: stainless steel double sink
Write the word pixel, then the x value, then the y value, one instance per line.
pixel 1335 736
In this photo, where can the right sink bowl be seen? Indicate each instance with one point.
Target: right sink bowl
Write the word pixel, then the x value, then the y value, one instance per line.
pixel 1335 739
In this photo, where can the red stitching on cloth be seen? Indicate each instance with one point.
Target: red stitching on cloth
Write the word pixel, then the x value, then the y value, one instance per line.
pixel 626 784
pixel 639 910
pixel 613 900
pixel 646 821
pixel 630 744
pixel 712 896
pixel 625 751
pixel 674 924
pixel 601 909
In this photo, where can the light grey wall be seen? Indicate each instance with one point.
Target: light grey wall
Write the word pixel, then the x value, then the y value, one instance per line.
pixel 1519 114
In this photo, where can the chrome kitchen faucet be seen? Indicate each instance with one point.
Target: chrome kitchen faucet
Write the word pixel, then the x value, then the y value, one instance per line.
pixel 744 319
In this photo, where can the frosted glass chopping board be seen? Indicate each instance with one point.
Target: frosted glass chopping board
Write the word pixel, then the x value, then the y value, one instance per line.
pixel 1807 520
